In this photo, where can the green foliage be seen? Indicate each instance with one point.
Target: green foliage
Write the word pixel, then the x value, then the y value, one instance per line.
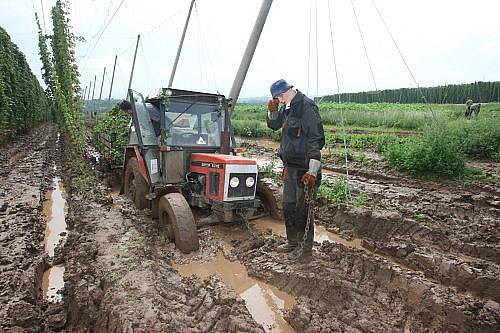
pixel 61 76
pixel 84 183
pixel 478 137
pixel 255 128
pixel 375 115
pixel 269 169
pixel 23 103
pixel 339 191
pixel 116 125
pixel 437 153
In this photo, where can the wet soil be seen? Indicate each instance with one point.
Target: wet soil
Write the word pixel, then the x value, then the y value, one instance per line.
pixel 26 168
pixel 419 257
pixel 445 233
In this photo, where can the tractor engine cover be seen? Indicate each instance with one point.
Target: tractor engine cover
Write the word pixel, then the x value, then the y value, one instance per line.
pixel 228 177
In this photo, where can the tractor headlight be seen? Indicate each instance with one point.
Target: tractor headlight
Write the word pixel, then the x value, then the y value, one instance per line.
pixel 234 182
pixel 250 181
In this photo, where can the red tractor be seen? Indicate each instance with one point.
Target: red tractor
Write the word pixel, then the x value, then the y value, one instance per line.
pixel 174 161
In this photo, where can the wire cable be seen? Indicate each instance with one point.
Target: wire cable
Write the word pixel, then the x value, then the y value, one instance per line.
pixel 205 48
pixel 364 45
pixel 317 52
pixel 342 120
pixel 309 49
pixel 102 32
pixel 403 58
pixel 43 17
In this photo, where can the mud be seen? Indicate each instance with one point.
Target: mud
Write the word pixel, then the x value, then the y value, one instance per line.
pixel 421 256
pixel 345 289
pixel 265 303
pixel 119 277
pixel 25 176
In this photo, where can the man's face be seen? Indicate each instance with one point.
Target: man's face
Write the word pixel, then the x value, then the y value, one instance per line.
pixel 281 98
pixel 285 97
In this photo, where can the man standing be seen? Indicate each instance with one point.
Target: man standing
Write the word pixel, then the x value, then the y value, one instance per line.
pixel 300 150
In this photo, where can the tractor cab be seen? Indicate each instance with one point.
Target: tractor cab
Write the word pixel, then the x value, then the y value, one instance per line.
pixel 173 159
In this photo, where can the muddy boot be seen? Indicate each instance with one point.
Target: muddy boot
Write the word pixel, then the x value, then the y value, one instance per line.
pixel 287 247
pixel 291 230
pixel 301 254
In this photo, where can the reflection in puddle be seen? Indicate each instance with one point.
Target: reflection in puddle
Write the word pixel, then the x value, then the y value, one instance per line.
pixel 52 282
pixel 320 233
pixel 265 302
pixel 55 210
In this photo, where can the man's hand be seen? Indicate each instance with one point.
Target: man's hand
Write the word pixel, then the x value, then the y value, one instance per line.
pixel 309 180
pixel 273 105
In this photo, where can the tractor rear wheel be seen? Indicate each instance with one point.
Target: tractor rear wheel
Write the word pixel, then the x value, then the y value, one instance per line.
pixel 271 194
pixel 135 186
pixel 177 222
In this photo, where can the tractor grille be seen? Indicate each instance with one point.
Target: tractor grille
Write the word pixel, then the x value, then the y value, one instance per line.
pixel 241 190
pixel 214 183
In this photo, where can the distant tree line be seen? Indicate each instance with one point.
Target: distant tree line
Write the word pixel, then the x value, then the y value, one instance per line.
pixel 23 103
pixel 449 94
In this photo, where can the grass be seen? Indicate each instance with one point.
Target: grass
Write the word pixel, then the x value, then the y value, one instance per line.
pixel 339 191
pixel 377 115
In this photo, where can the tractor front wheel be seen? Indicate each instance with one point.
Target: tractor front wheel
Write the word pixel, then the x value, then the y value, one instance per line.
pixel 135 186
pixel 177 222
pixel 271 194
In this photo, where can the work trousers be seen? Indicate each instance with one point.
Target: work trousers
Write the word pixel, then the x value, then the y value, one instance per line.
pixel 294 207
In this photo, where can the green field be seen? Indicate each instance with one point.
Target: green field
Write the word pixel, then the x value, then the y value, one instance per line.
pixel 379 115
pixel 415 138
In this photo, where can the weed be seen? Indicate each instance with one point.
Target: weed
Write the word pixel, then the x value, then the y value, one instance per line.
pixel 269 169
pixel 84 181
pixel 437 153
pixel 340 192
pixel 420 216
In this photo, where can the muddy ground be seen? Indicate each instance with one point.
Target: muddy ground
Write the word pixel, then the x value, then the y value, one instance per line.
pixel 420 257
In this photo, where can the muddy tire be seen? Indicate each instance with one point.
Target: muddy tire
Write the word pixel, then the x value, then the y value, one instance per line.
pixel 135 186
pixel 271 194
pixel 177 222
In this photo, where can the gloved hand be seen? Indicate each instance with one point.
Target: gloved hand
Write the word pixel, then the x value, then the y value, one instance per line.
pixel 273 105
pixel 309 178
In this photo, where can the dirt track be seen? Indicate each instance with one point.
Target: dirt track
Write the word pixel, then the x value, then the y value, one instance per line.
pixel 428 261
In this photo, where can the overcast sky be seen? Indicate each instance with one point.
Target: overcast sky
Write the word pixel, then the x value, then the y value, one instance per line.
pixel 443 41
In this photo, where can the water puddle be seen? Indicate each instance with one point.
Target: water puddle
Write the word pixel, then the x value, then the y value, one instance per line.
pixel 320 232
pixel 265 302
pixel 55 210
pixel 52 283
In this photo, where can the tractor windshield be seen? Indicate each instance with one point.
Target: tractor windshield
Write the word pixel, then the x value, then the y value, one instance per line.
pixel 193 123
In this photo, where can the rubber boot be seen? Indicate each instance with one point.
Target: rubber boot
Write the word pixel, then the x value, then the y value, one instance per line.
pixel 286 248
pixel 291 231
pixel 304 252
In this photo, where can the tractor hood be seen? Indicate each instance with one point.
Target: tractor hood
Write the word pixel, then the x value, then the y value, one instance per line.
pixel 220 159
pixel 228 177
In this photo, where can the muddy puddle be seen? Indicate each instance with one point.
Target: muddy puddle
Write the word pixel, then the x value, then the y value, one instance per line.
pixel 265 302
pixel 55 210
pixel 320 233
pixel 52 283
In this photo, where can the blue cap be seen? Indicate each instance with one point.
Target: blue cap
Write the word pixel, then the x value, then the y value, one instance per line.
pixel 279 87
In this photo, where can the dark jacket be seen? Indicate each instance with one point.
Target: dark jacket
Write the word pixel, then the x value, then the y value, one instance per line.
pixel 303 136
